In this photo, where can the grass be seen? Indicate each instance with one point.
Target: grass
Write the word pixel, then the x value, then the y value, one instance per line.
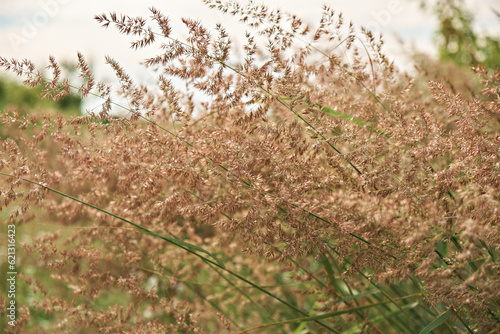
pixel 330 207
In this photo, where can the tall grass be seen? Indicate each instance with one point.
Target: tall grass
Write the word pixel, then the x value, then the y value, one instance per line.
pixel 311 187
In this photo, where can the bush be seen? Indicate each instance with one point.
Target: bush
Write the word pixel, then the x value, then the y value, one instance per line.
pixel 305 190
pixel 26 99
pixel 458 41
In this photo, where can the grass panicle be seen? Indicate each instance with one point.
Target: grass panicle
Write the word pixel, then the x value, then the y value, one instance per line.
pixel 298 183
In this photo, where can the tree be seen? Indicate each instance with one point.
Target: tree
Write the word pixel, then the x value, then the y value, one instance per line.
pixel 456 38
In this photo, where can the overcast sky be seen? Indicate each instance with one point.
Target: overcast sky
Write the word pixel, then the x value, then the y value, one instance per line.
pixel 35 29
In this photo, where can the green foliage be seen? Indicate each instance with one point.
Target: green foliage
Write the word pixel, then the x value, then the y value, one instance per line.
pixel 331 207
pixel 26 99
pixel 458 41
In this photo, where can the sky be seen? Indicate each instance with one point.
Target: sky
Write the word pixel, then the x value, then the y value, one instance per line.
pixel 35 29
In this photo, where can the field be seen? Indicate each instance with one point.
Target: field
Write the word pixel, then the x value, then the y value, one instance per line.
pixel 301 183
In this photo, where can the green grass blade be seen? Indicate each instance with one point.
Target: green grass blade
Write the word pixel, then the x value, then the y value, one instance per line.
pixel 179 243
pixel 244 294
pixel 384 317
pixel 353 120
pixel 436 322
pixel 141 229
pixel 324 316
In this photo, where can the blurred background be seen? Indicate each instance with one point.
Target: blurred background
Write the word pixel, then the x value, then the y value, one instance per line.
pixel 35 29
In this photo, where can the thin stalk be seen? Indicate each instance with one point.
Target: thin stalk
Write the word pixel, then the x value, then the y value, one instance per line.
pixel 244 294
pixel 371 282
pixel 325 315
pixel 281 101
pixel 177 242
pixel 196 291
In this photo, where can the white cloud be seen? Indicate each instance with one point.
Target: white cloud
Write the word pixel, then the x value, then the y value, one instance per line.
pixel 71 27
